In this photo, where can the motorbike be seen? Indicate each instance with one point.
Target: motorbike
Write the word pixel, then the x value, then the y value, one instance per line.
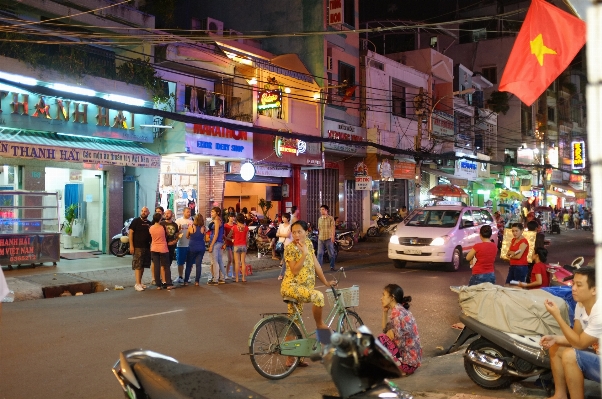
pixel 120 243
pixel 345 240
pixel 358 364
pixel 563 275
pixel 383 223
pixel 555 228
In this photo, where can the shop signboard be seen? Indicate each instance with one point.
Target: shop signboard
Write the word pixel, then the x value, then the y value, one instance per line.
pixel 363 183
pixel 442 125
pixel 264 170
pixel 78 155
pixel 24 110
pixel 341 131
pixel 404 170
pixel 466 168
pixel 578 154
pixel 29 248
pixel 335 12
pixel 269 99
pixel 525 156
pixel 218 141
pixel 287 151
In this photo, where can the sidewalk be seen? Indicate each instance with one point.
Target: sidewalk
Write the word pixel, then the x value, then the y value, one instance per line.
pixel 95 275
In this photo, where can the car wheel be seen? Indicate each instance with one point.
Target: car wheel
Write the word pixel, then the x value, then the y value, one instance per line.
pixel 399 264
pixel 456 261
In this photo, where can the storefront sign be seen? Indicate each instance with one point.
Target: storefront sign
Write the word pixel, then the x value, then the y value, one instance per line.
pixel 77 155
pixel 442 124
pixel 525 156
pixel 363 183
pixel 268 99
pixel 578 156
pixel 335 12
pixel 340 131
pixel 289 152
pixel 291 146
pixel 24 110
pixel 404 170
pixel 553 156
pixel 360 169
pixel 28 248
pixel 466 168
pixel 264 170
pixel 215 140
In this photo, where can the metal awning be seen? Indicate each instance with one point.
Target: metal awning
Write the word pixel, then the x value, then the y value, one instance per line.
pixel 579 194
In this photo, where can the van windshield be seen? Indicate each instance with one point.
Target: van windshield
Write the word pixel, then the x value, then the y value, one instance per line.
pixel 434 218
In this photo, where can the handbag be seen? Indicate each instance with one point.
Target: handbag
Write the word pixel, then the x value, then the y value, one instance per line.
pixel 279 247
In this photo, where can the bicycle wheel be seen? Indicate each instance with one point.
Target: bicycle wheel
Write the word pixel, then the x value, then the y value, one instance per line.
pixel 264 347
pixel 351 322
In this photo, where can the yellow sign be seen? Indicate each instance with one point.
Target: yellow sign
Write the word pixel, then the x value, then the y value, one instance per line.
pixel 578 154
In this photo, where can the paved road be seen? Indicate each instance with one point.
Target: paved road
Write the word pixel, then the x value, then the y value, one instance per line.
pixel 64 347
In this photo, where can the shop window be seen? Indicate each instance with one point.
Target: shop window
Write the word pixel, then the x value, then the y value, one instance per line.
pixel 199 100
pixel 398 100
pixel 551 114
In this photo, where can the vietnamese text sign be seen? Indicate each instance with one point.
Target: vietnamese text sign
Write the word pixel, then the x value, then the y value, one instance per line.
pixel 404 170
pixel 215 140
pixel 363 183
pixel 341 131
pixel 264 170
pixel 442 124
pixel 335 12
pixel 466 168
pixel 24 110
pixel 77 155
pixel 29 248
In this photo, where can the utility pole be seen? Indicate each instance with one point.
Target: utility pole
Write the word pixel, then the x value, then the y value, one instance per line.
pixel 419 109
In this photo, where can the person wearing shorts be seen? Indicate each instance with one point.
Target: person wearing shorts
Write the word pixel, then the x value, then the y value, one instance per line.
pixel 239 241
pixel 574 355
pixel 229 242
pixel 140 241
pixel 182 246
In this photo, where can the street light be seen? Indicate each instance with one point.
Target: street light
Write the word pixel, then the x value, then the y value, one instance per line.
pixel 430 116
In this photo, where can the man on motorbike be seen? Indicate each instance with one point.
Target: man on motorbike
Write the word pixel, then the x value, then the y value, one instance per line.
pixel 570 354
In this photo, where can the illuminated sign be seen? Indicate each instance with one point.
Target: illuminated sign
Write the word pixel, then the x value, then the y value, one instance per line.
pixel 292 146
pixel 24 110
pixel 335 12
pixel 578 160
pixel 220 141
pixel 268 99
pixel 340 131
pixel 466 168
pixel 363 183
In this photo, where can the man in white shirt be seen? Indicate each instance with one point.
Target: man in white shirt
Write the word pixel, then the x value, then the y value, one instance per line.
pixel 182 246
pixel 3 289
pixel 572 360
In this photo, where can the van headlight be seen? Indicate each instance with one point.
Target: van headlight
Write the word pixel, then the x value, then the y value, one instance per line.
pixel 394 240
pixel 439 241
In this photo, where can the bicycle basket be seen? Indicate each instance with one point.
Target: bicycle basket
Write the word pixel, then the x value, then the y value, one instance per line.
pixel 350 296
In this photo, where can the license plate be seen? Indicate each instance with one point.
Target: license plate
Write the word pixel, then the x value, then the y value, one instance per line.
pixel 413 251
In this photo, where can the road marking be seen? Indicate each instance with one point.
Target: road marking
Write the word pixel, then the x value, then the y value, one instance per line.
pixel 155 314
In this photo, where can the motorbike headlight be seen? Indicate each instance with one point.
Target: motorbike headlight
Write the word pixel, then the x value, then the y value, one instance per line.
pixel 394 240
pixel 439 241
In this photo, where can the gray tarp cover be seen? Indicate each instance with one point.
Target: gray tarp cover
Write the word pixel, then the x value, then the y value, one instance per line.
pixel 511 310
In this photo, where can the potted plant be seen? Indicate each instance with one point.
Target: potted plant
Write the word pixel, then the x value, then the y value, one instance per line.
pixel 265 206
pixel 70 215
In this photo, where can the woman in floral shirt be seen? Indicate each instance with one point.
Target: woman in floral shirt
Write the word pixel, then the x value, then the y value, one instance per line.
pixel 400 333
pixel 301 270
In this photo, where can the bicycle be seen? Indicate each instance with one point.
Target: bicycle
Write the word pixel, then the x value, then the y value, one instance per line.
pixel 280 336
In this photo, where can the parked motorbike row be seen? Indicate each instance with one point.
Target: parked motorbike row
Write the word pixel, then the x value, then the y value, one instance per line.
pixel 384 224
pixel 357 362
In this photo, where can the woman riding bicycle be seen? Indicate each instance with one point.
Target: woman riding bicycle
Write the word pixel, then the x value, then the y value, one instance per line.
pixel 301 270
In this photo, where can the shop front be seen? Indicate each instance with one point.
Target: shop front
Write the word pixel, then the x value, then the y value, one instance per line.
pixel 78 151
pixel 194 164
pixel 304 160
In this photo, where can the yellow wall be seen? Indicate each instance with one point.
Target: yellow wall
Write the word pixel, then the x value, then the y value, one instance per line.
pixel 254 191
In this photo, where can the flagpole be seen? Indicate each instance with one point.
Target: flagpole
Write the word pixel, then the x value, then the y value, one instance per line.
pixel 594 126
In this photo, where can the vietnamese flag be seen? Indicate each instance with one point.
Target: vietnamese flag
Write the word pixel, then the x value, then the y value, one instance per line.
pixel 546 44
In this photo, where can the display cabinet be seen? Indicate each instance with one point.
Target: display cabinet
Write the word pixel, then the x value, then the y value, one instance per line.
pixel 29 228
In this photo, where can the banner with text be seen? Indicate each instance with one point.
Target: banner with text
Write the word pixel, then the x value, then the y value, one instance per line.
pixel 219 141
pixel 363 183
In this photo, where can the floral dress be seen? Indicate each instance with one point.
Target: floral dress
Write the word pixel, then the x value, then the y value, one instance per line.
pixel 405 345
pixel 301 286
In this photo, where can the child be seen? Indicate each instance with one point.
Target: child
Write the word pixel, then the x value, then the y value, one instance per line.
pixel 485 253
pixel 539 274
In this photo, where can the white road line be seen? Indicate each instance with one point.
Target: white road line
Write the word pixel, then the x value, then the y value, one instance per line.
pixel 155 314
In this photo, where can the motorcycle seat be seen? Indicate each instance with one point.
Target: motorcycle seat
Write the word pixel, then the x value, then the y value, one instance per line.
pixel 164 379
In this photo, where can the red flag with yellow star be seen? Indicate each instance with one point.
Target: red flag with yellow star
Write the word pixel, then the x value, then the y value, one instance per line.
pixel 546 44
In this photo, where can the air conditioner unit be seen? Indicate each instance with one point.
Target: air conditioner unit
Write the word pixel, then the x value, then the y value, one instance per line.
pixel 328 63
pixel 210 25
pixel 233 33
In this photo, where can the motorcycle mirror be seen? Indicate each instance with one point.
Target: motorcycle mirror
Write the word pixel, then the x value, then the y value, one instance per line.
pixel 127 371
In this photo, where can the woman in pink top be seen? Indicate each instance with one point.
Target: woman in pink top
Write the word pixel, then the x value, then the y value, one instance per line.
pixel 160 251
pixel 240 231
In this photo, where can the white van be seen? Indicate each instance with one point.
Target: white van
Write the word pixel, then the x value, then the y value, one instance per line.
pixel 441 233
